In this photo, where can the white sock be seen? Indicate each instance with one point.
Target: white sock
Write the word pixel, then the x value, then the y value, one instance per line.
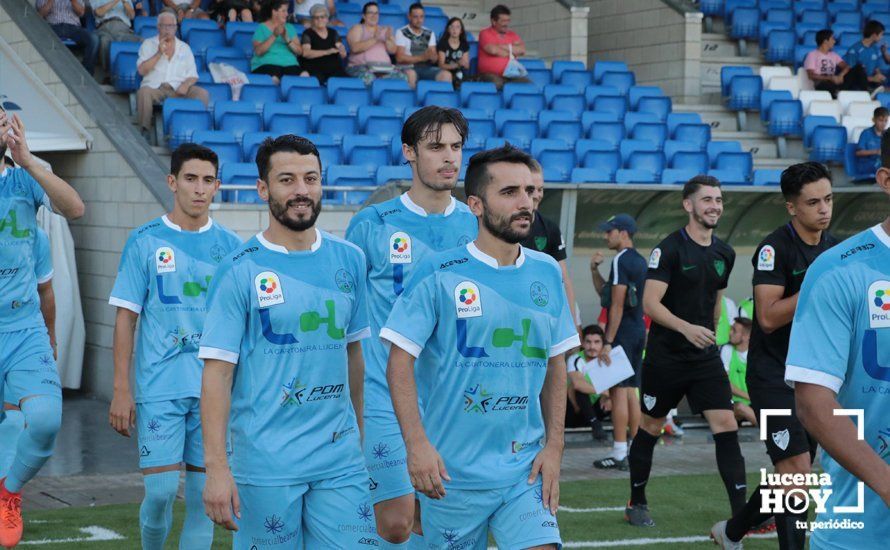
pixel 619 450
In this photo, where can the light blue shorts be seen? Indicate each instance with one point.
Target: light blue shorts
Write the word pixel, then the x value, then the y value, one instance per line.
pixel 331 513
pixel 461 521
pixel 27 367
pixel 386 459
pixel 170 432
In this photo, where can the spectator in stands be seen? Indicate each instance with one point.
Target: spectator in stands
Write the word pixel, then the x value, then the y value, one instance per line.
pixel 167 66
pixel 864 58
pixel 323 50
pixel 497 44
pixel 824 66
pixel 186 9
pixel 64 18
pixel 370 46
pixel 114 19
pixel 303 11
pixel 454 51
pixel 223 11
pixel 276 44
pixel 582 396
pixel 416 46
pixel 868 150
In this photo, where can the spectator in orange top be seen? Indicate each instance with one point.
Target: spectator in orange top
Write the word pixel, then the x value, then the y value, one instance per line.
pixel 495 44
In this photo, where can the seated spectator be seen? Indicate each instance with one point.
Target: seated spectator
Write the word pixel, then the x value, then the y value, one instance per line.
pixel 276 44
pixel 864 59
pixel 64 18
pixel 186 9
pixel 496 44
pixel 735 362
pixel 113 21
pixel 303 11
pixel 824 66
pixel 454 51
pixel 224 11
pixel 323 51
pixel 416 46
pixel 868 150
pixel 167 66
pixel 582 396
pixel 370 46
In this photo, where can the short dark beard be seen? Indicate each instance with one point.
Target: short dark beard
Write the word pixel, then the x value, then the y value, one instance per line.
pixel 279 212
pixel 502 229
pixel 701 220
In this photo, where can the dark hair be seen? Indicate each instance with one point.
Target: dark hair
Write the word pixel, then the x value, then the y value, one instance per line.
pixel 464 45
pixel 592 330
pixel 692 186
pixel 881 111
pixel 365 9
pixel 797 175
pixel 498 11
pixel 822 36
pixel 885 150
pixel 872 27
pixel 428 122
pixel 268 6
pixel 478 178
pixel 415 6
pixel 744 321
pixel 287 143
pixel 191 151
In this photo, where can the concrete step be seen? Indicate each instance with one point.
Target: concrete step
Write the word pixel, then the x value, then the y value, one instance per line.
pixel 776 164
pixel 715 115
pixel 758 144
pixel 714 45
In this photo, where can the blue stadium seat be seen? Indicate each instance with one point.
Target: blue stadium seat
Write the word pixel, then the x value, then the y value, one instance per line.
pixel 600 68
pixel 559 125
pixel 728 72
pixel 610 131
pixel 495 142
pixel 811 122
pixel 217 92
pixel 632 119
pixel 589 117
pixel 123 56
pixel 767 177
pixel 386 174
pixel 590 175
pixel 488 102
pixel 801 6
pixel 285 118
pixel 621 80
pixel 711 8
pixel 699 134
pixel 676 119
pixel 653 132
pixel 382 122
pixel 513 89
pixel 148 31
pixel 344 175
pixel 142 21
pixel 395 152
pixel 250 144
pixel 182 117
pixel 188 25
pixel 851 18
pixel 231 56
pixel 556 174
pixel 329 150
pixel 800 55
pixel 744 92
pixel 481 124
pixel 240 173
pixel 200 40
pixel 348 92
pixel 631 146
pixel 847 40
pixel 556 155
pixel 785 118
pixel 631 175
pixel 516 125
pixel 816 17
pixel 636 93
pixel 780 46
pixel 441 98
pixel 240 35
pixel 471 147
pixel 696 161
pixel 829 144
pixel 578 79
pixel 533 63
pixel 677 175
pixel 652 161
pixel 332 120
pixel 222 143
pixel 426 86
pixel 237 117
pixel 260 93
pixel 730 6
pixel 602 155
pixel 741 162
pixel 729 176
pixel 301 82
pixel 766 100
pixel 767 28
pixel 717 147
pixel 659 106
pixel 852 165
pixel 560 66
pixel 540 77
pixel 594 91
pixel 406 114
pixel 305 96
pixel 392 93
pixel 470 89
pixel 564 98
pixel 745 23
pixel 367 151
pixel 614 104
pixel 672 147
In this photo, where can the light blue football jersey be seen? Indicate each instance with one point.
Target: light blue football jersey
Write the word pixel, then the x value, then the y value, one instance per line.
pixel 284 319
pixel 163 276
pixel 43 267
pixel 483 335
pixel 840 339
pixel 396 236
pixel 20 197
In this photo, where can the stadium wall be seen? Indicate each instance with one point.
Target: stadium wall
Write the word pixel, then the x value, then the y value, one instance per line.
pixel 659 40
pixel 552 29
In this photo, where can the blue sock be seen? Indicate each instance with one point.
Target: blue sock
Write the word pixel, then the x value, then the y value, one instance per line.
pixel 416 542
pixel 386 545
pixel 197 531
pixel 43 417
pixel 10 429
pixel 156 512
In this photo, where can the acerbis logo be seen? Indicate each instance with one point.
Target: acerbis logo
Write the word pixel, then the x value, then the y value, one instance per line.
pixel 450 263
pixel 269 291
pixel 467 300
pixel 879 304
pixel 245 251
pixel 857 249
pixel 399 248
pixel 8 272
pixel 165 261
pixel 478 400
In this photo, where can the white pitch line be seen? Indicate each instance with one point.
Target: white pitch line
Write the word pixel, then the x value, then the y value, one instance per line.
pixel 641 542
pixel 94 532
pixel 587 510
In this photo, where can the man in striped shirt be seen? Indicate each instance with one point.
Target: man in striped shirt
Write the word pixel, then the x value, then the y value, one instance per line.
pixel 64 18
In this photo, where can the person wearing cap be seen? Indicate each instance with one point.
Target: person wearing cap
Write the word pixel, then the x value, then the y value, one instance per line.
pixel 622 294
pixel 735 360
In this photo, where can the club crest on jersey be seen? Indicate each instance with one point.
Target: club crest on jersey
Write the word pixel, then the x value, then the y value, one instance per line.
pixel 654 258
pixel 165 260
pixel 766 260
pixel 720 267
pixel 467 300
pixel 399 248
pixel 781 439
pixel 649 400
pixel 269 291
pixel 879 304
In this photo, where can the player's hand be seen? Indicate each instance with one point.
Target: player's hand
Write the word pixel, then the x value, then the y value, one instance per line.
pixel 606 403
pixel 700 337
pixel 122 414
pixel 221 502
pixel 604 355
pixel 547 464
pixel 427 470
pixel 596 259
pixel 15 140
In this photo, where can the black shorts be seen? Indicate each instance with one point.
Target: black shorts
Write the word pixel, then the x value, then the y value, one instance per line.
pixel 634 351
pixel 703 383
pixel 785 435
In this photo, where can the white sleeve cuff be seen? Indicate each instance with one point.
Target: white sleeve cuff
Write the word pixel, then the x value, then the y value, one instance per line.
pixel 360 335
pixel 809 376
pixel 46 278
pixel 399 340
pixel 571 342
pixel 220 354
pixel 117 302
